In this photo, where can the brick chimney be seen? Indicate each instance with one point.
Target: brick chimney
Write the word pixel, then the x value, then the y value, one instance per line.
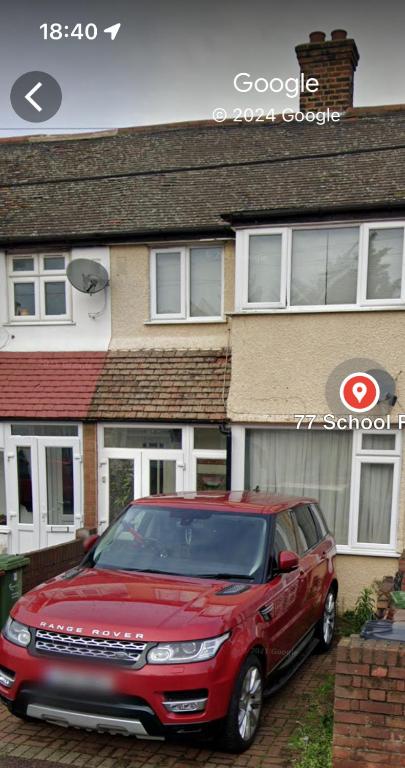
pixel 333 63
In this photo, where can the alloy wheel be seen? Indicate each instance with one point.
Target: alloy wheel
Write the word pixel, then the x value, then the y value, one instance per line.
pixel 329 618
pixel 250 703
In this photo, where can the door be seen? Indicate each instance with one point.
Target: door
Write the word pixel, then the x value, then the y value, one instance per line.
pixel 44 491
pixel 59 467
pixel 283 608
pixel 314 563
pixel 129 475
pixel 23 494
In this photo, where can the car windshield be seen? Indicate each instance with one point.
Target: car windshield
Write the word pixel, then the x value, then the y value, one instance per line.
pixel 185 542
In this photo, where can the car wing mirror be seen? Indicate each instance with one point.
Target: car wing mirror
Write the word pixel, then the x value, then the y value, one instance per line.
pixel 89 543
pixel 287 561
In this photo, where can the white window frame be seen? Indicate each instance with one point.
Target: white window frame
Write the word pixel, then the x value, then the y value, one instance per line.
pixel 362 303
pixel 359 456
pixel 39 276
pixel 363 262
pixel 184 314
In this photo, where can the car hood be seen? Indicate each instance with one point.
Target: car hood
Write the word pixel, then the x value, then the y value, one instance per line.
pixel 123 605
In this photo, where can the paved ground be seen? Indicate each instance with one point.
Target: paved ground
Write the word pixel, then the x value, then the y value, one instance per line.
pixel 26 745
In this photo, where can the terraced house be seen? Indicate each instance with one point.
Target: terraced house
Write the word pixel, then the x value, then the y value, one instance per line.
pixel 246 262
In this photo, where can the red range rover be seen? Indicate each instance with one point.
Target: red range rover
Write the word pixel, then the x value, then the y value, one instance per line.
pixel 181 617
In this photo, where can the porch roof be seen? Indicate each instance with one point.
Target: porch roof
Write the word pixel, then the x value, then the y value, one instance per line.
pixel 52 385
pixel 156 384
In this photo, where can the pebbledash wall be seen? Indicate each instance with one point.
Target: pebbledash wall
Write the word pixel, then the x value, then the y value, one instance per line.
pixel 280 366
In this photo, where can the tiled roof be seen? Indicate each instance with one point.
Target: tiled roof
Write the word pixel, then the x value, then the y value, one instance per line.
pixel 163 384
pixel 54 385
pixel 183 178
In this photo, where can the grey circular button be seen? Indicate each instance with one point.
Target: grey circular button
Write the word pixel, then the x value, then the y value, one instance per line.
pixel 36 97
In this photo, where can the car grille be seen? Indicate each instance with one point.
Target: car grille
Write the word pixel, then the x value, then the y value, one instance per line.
pixel 100 649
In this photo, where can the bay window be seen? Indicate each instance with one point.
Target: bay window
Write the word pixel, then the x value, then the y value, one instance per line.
pixel 354 266
pixel 186 283
pixel 354 475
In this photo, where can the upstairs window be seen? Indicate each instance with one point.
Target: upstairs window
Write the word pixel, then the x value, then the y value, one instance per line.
pixel 320 268
pixel 38 287
pixel 186 283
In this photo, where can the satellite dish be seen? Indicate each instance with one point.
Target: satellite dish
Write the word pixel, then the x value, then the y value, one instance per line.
pixel 386 384
pixel 87 276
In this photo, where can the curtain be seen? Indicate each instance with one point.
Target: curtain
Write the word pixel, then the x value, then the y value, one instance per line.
pixel 310 463
pixel 376 482
pixel 384 263
pixel 324 266
pixel 264 268
pixel 205 282
pixel 168 283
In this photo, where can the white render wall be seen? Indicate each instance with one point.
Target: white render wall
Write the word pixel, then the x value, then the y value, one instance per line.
pixel 82 333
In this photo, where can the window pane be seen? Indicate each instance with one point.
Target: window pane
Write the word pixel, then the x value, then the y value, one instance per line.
pixel 315 464
pixel 378 442
pixel 46 430
pixel 307 532
pixel 24 484
pixel 168 288
pixel 376 484
pixel 284 537
pixel 59 483
pixel 205 282
pixel 23 264
pixel 324 266
pixel 127 437
pixel 209 438
pixel 162 476
pixel 121 485
pixel 264 268
pixel 55 298
pixel 54 262
pixel 384 271
pixel 211 474
pixel 24 299
pixel 3 510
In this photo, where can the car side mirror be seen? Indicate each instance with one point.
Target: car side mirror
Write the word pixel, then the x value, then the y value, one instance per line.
pixel 287 561
pixel 89 543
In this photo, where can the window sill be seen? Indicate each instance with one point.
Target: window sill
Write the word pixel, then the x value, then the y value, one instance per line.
pixel 5 529
pixel 29 323
pixel 314 310
pixel 345 550
pixel 189 321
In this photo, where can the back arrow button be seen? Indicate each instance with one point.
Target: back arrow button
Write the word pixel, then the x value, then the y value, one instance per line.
pixel 47 101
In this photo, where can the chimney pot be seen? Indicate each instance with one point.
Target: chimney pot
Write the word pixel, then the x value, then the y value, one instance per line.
pixel 339 34
pixel 317 37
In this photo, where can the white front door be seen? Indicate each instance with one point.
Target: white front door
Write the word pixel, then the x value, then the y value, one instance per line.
pixel 43 491
pixel 131 474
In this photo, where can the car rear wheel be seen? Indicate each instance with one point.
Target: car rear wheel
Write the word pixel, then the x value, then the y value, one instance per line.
pixel 245 708
pixel 326 626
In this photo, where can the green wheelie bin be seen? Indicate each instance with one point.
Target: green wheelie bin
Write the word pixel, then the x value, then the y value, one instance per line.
pixel 10 583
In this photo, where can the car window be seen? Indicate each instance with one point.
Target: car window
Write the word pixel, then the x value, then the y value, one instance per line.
pixel 284 535
pixel 306 528
pixel 319 521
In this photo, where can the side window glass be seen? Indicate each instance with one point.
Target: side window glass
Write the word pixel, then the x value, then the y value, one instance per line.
pixel 319 521
pixel 306 529
pixel 284 536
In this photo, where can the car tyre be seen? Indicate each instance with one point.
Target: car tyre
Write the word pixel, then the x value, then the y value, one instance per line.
pixel 244 712
pixel 326 626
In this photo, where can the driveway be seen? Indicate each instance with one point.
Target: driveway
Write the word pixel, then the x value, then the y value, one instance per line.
pixel 26 745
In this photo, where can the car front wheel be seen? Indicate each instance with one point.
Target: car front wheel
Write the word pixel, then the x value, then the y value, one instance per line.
pixel 245 708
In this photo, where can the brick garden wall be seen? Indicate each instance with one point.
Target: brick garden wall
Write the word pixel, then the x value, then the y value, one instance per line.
pixel 46 563
pixel 369 728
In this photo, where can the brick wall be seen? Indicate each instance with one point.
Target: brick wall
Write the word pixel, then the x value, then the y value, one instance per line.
pixel 46 563
pixel 90 474
pixel 369 728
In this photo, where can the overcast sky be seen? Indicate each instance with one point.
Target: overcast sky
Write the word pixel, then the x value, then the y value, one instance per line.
pixel 176 59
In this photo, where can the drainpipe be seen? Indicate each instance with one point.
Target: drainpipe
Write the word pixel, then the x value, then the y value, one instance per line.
pixel 225 429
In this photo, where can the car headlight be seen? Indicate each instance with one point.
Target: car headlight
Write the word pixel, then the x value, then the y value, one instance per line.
pixel 183 653
pixel 17 633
